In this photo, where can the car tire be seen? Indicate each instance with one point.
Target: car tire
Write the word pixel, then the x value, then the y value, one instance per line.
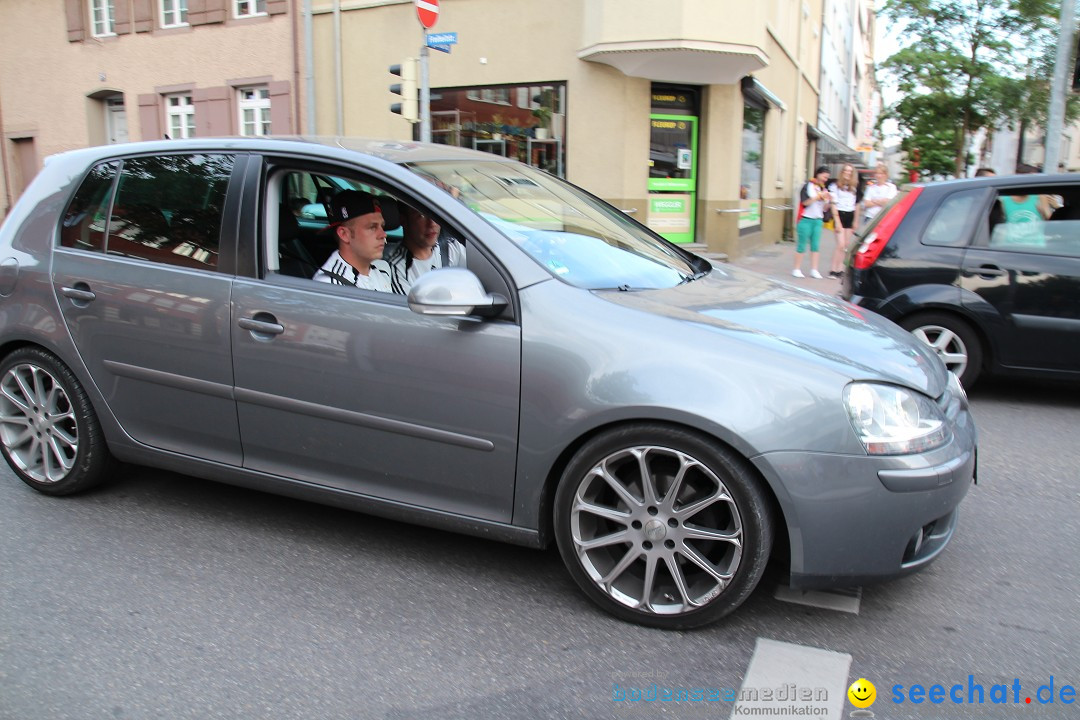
pixel 662 526
pixel 49 433
pixel 953 340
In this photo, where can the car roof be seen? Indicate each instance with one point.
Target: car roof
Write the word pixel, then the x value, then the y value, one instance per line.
pixel 998 180
pixel 344 148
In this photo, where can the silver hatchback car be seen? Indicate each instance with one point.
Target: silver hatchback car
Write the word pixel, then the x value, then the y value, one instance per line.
pixel 570 377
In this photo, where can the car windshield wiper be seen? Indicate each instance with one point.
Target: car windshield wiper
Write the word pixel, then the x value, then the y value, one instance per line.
pixel 696 276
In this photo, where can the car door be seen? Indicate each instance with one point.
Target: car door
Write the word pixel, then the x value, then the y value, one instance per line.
pixel 1029 274
pixel 350 389
pixel 143 284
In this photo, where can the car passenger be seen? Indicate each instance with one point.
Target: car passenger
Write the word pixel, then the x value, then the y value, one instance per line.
pixel 424 247
pixel 358 223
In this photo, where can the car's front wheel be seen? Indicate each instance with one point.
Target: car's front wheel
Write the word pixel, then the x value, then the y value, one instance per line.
pixel 49 433
pixel 662 527
pixel 953 340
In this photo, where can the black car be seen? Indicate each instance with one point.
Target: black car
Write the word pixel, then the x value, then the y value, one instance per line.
pixel 986 271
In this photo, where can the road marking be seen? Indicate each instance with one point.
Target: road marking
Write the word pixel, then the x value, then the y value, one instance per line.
pixel 842 600
pixel 793 681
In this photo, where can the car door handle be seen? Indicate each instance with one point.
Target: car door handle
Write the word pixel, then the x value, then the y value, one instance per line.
pixel 986 271
pixel 81 294
pixel 261 326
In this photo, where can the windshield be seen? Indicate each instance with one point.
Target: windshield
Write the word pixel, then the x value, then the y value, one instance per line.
pixel 579 239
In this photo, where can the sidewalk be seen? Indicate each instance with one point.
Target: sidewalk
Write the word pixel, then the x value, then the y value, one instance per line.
pixel 776 260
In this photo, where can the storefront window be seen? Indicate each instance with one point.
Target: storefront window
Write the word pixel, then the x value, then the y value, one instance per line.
pixel 753 143
pixel 524 122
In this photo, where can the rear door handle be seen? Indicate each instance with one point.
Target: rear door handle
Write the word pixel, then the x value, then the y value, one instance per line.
pixel 986 271
pixel 263 327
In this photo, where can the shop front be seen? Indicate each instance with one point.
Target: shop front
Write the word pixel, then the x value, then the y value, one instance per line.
pixel 673 141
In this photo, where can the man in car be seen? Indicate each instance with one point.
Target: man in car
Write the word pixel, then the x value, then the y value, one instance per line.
pixel 424 247
pixel 358 223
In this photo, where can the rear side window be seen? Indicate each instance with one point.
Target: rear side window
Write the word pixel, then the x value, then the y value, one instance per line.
pixel 954 220
pixel 84 222
pixel 168 209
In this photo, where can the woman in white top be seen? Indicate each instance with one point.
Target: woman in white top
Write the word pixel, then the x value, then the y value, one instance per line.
pixel 846 196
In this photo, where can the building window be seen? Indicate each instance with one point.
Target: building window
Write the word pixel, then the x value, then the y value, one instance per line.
pixel 254 107
pixel 753 146
pixel 173 13
pixel 527 123
pixel 102 18
pixel 250 8
pixel 181 116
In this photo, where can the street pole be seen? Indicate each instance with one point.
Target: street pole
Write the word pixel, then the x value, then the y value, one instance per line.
pixel 1056 120
pixel 425 94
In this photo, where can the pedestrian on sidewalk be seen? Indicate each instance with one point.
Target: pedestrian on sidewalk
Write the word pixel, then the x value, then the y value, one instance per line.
pixel 879 194
pixel 846 195
pixel 815 201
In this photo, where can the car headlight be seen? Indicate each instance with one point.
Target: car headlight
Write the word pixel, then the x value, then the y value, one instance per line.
pixel 890 420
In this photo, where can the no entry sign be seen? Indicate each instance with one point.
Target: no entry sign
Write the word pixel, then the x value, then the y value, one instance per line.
pixel 428 12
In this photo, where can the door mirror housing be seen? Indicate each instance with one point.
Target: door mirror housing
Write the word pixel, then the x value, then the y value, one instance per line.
pixel 453 291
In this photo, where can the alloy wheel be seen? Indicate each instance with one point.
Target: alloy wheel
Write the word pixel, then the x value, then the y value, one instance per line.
pixel 37 423
pixel 948 345
pixel 656 530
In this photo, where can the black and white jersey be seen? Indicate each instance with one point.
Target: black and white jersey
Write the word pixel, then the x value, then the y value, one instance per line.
pixel 338 272
pixel 406 269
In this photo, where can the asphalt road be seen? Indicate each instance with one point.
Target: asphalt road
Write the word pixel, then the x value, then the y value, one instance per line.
pixel 164 596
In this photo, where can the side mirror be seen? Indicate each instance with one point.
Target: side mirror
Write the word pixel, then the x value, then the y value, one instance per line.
pixel 453 291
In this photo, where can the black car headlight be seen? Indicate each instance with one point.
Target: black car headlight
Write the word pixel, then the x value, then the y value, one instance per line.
pixel 891 420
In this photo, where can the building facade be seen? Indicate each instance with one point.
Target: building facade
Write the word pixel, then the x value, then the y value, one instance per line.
pixel 699 118
pixel 693 116
pixel 89 72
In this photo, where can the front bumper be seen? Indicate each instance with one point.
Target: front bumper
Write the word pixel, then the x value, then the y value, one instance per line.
pixel 853 520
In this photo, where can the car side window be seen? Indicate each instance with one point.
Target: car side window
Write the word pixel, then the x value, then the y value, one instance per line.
pixel 300 202
pixel 953 221
pixel 84 222
pixel 1042 220
pixel 168 209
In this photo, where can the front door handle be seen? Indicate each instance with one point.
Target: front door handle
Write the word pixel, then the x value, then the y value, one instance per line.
pixel 986 271
pixel 82 293
pixel 268 326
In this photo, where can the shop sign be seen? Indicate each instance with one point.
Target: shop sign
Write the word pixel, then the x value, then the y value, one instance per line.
pixel 669 213
pixel 751 213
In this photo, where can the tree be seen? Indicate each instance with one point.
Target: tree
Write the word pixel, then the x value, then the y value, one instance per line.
pixel 963 70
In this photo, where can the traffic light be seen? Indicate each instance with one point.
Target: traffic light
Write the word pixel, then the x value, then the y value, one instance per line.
pixel 408 108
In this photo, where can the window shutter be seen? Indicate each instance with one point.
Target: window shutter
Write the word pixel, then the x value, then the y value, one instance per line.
pixel 216 11
pixel 150 116
pixel 205 12
pixel 76 12
pixel 276 7
pixel 122 10
pixel 143 16
pixel 281 107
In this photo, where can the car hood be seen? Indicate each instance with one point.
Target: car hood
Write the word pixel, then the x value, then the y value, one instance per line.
pixel 756 309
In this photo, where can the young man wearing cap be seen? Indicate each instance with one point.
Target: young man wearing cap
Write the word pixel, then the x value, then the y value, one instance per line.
pixel 358 223
pixel 423 248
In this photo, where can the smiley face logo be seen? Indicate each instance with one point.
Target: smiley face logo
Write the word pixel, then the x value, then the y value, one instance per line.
pixel 862 693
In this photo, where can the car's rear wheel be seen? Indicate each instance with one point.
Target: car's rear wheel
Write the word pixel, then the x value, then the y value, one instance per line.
pixel 663 527
pixel 953 340
pixel 49 433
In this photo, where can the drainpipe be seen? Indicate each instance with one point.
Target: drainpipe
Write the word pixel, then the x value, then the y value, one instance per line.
pixel 309 71
pixel 8 197
pixel 339 88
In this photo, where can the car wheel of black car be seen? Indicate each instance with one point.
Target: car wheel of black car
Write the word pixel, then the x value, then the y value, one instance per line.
pixel 49 433
pixel 954 341
pixel 662 527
